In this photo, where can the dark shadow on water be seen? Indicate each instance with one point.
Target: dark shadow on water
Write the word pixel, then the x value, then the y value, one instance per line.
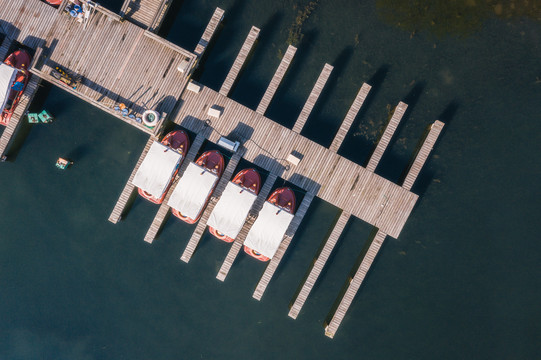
pixel 170 18
pixel 78 152
pixel 355 146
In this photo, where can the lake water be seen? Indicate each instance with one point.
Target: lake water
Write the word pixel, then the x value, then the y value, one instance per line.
pixel 462 281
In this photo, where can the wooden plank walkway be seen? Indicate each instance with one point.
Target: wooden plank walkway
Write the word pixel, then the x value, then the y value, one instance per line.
pixel 215 20
pixel 355 284
pixel 422 155
pixel 318 265
pixel 290 233
pixel 127 192
pixel 18 114
pixel 312 98
pixel 163 211
pixel 147 14
pixel 202 224
pixel 239 240
pixel 239 61
pixel 276 79
pixel 350 116
pixel 386 137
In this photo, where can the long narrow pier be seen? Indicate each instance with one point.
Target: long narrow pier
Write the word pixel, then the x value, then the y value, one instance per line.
pixel 203 43
pixel 350 116
pixel 355 284
pixel 147 14
pixel 18 114
pixel 127 192
pixel 239 61
pixel 276 80
pixel 312 98
pixel 202 224
pixel 163 211
pixel 422 155
pixel 319 264
pixel 239 240
pixel 277 258
pixel 386 137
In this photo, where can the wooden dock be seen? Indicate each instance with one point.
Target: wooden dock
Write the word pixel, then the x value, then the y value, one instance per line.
pixel 215 20
pixel 239 240
pixel 239 61
pixel 386 137
pixel 355 284
pixel 127 192
pixel 202 224
pixel 350 116
pixel 148 14
pixel 277 258
pixel 276 80
pixel 422 155
pixel 312 98
pixel 163 211
pixel 319 264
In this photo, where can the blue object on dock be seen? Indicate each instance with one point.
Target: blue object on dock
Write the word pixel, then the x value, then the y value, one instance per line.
pixel 33 118
pixel 45 117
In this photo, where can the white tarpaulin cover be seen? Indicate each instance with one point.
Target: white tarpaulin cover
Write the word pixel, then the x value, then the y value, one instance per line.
pixel 157 169
pixel 268 230
pixel 7 77
pixel 192 191
pixel 231 210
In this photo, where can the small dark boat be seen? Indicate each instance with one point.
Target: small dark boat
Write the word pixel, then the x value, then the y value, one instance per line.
pixel 283 198
pixel 249 180
pixel 20 60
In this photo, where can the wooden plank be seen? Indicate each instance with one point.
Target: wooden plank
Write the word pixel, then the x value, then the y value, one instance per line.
pixel 422 155
pixel 239 240
pixel 312 98
pixel 350 116
pixel 163 211
pixel 215 20
pixel 239 61
pixel 202 224
pixel 386 137
pixel 290 233
pixel 355 284
pixel 318 265
pixel 276 80
pixel 118 210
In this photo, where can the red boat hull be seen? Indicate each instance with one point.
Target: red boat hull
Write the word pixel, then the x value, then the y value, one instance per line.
pixel 54 2
pixel 213 161
pixel 248 179
pixel 283 197
pixel 19 59
pixel 179 141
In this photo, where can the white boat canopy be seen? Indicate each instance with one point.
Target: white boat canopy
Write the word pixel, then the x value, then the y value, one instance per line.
pixel 268 230
pixel 157 169
pixel 192 191
pixel 231 210
pixel 7 77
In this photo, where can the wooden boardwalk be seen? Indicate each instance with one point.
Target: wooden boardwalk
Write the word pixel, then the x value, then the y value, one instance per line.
pixel 319 264
pixel 361 193
pixel 202 224
pixel 312 98
pixel 239 240
pixel 18 114
pixel 239 61
pixel 422 155
pixel 163 211
pixel 215 20
pixel 355 284
pixel 277 258
pixel 276 80
pixel 350 116
pixel 127 192
pixel 147 14
pixel 386 137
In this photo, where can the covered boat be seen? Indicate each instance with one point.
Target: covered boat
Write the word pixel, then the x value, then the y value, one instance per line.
pixel 157 170
pixel 195 187
pixel 179 142
pixel 269 229
pixel 229 214
pixel 11 89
